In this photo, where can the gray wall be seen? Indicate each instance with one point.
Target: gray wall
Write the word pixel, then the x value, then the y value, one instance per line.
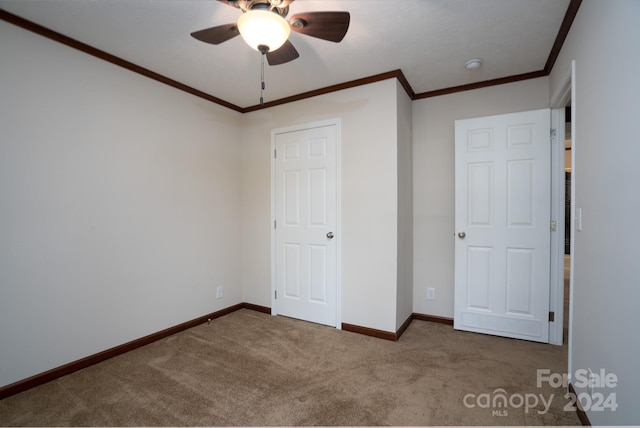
pixel 404 305
pixel 603 41
pixel 120 205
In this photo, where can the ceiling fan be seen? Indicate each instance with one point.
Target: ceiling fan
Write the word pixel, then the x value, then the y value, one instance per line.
pixel 263 26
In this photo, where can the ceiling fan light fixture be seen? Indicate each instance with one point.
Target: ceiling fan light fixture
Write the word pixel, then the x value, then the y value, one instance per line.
pixel 261 28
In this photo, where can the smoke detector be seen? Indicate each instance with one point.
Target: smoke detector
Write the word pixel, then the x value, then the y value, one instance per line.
pixel 473 64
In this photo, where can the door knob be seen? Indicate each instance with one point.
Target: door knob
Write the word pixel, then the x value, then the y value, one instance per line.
pixel 330 235
pixel 462 235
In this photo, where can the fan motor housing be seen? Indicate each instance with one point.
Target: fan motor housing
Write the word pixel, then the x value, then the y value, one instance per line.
pixel 272 5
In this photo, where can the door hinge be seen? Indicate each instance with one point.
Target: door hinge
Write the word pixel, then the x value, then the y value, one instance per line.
pixel 553 134
pixel 554 226
pixel 275 224
pixel 552 316
pixel 276 294
pixel 275 156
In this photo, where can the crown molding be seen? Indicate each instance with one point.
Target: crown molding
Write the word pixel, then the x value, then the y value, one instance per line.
pixel 90 50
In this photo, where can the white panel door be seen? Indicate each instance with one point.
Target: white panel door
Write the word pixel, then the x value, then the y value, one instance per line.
pixel 502 219
pixel 306 221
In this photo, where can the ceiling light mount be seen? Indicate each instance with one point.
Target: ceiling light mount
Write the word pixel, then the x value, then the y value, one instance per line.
pixel 473 64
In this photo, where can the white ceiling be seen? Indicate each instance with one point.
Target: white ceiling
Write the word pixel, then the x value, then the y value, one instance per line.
pixel 428 40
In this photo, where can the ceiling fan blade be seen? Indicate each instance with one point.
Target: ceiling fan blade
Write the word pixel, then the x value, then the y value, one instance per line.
pixel 284 53
pixel 330 26
pixel 216 35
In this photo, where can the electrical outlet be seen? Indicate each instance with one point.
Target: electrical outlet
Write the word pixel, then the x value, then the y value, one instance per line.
pixel 431 293
pixel 219 293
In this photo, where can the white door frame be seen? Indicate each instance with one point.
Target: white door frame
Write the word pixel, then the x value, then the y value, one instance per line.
pixel 563 96
pixel 338 235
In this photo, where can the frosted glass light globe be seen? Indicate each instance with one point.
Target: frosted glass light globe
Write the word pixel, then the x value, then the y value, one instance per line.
pixel 263 28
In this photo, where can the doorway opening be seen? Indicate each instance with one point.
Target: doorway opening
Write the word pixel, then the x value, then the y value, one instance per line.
pixel 567 221
pixel 563 189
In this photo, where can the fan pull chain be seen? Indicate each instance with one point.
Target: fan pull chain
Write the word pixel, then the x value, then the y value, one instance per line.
pixel 262 79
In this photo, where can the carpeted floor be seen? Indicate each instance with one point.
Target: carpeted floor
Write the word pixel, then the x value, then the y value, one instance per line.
pixel 251 369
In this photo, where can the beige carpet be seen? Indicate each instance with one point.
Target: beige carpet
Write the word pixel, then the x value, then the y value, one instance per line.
pixel 252 369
